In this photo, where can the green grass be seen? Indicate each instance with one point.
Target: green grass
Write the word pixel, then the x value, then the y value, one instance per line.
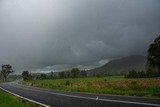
pixel 7 100
pixel 116 85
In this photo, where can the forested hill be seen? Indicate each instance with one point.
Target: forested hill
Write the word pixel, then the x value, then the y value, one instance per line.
pixel 122 65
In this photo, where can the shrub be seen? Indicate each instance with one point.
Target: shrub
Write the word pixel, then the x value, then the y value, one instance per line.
pixel 132 74
pixel 67 83
pixel 141 74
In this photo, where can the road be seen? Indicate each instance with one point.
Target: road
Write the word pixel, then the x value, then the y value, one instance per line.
pixel 56 98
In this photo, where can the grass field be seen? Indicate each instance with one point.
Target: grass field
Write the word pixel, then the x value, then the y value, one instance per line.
pixel 116 85
pixel 7 100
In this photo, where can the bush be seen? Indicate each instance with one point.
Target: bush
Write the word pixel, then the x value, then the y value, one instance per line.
pixel 67 83
pixel 152 72
pixel 132 74
pixel 141 74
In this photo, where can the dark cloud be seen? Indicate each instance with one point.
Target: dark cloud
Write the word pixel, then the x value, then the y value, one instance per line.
pixel 60 34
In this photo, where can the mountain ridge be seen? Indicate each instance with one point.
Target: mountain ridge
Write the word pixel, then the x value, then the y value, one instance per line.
pixel 122 65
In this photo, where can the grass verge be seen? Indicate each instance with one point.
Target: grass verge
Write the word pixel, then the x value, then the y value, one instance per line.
pixel 7 100
pixel 117 85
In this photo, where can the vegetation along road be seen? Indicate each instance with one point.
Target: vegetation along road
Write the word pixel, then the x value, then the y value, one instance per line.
pixel 117 85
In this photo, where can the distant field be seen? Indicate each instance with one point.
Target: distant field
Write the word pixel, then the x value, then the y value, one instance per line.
pixel 116 85
pixel 7 100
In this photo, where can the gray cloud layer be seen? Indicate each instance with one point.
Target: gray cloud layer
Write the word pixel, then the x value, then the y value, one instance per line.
pixel 36 34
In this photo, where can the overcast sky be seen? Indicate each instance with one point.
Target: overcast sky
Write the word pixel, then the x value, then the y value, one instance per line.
pixel 41 35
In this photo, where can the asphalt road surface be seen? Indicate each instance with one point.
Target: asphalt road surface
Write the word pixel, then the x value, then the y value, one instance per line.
pixel 55 98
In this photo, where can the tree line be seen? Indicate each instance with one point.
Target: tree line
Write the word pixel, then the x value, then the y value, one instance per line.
pixel 74 73
pixel 149 73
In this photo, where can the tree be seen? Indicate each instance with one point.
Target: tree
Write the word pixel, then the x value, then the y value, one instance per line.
pixel 152 72
pixel 61 75
pixel 83 73
pixel 75 73
pixel 154 54
pixel 6 70
pixel 68 74
pixel 141 74
pixel 43 76
pixel 26 75
pixel 1 76
pixel 51 74
pixel 132 74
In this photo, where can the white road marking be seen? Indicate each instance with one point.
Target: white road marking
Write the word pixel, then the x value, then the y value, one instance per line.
pixel 97 98
pixel 91 98
pixel 24 98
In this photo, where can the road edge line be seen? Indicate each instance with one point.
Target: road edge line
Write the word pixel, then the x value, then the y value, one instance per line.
pixel 33 101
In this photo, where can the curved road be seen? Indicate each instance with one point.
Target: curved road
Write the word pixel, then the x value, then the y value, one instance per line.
pixel 55 98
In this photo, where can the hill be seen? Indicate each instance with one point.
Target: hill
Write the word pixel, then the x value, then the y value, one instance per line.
pixel 122 65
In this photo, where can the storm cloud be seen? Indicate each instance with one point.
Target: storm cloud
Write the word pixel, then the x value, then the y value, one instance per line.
pixel 59 34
